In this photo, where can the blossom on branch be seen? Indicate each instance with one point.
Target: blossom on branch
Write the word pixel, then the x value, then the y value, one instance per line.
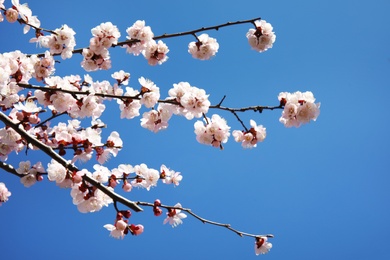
pixel 106 35
pixel 205 48
pixel 129 107
pixel 43 67
pixel 23 11
pixel 141 35
pixel 214 131
pixel 62 42
pixel 146 177
pixel 97 55
pixel 174 216
pixel 4 193
pixel 250 138
pixel 156 52
pixel 150 92
pixel 299 108
pixel 121 77
pixel 170 176
pixel 30 175
pixel 262 246
pixel 156 119
pixel 193 101
pixel 56 172
pixel 136 229
pixel 262 38
pixel 117 230
pixel 9 141
pixel 88 198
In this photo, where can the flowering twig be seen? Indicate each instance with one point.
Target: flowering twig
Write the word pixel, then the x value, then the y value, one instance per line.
pixel 50 152
pixel 163 36
pixel 203 220
pixel 138 97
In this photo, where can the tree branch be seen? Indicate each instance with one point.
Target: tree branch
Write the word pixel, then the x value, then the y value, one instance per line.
pixel 9 168
pixel 50 152
pixel 203 220
pixel 163 36
pixel 170 101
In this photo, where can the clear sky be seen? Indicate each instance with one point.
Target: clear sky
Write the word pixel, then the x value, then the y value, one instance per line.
pixel 323 189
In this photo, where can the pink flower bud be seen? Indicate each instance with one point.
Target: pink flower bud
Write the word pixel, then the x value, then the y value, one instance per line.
pixel 34 119
pixel 126 213
pixel 39 177
pixel 136 229
pixel 19 116
pixel 76 178
pixel 127 186
pixel 11 15
pixel 121 225
pixel 157 211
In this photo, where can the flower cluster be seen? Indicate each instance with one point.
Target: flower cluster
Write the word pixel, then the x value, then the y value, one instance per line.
pixel 26 113
pixel 88 198
pixel 170 176
pixel 16 67
pixel 156 119
pixel 62 41
pixel 121 226
pixel 97 55
pixel 262 38
pixel 77 106
pixel 193 101
pixel 4 193
pixel 43 67
pixel 10 141
pixel 30 174
pixel 139 37
pixel 214 132
pixel 205 48
pixel 156 52
pixel 149 91
pixel 146 177
pixel 129 107
pixel 299 108
pixel 250 138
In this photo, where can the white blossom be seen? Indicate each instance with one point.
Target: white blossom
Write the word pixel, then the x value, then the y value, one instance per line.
pixel 203 49
pixel 175 216
pixel 4 193
pixel 262 38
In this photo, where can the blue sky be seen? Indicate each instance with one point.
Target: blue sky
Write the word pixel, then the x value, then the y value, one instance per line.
pixel 322 189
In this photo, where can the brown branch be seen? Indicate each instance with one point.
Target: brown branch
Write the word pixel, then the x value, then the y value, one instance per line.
pixel 252 108
pixel 50 118
pixel 169 101
pixel 50 152
pixel 9 168
pixel 163 36
pixel 38 29
pixel 205 221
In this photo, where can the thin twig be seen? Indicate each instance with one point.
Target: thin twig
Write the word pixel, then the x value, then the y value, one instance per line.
pixel 50 118
pixel 203 220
